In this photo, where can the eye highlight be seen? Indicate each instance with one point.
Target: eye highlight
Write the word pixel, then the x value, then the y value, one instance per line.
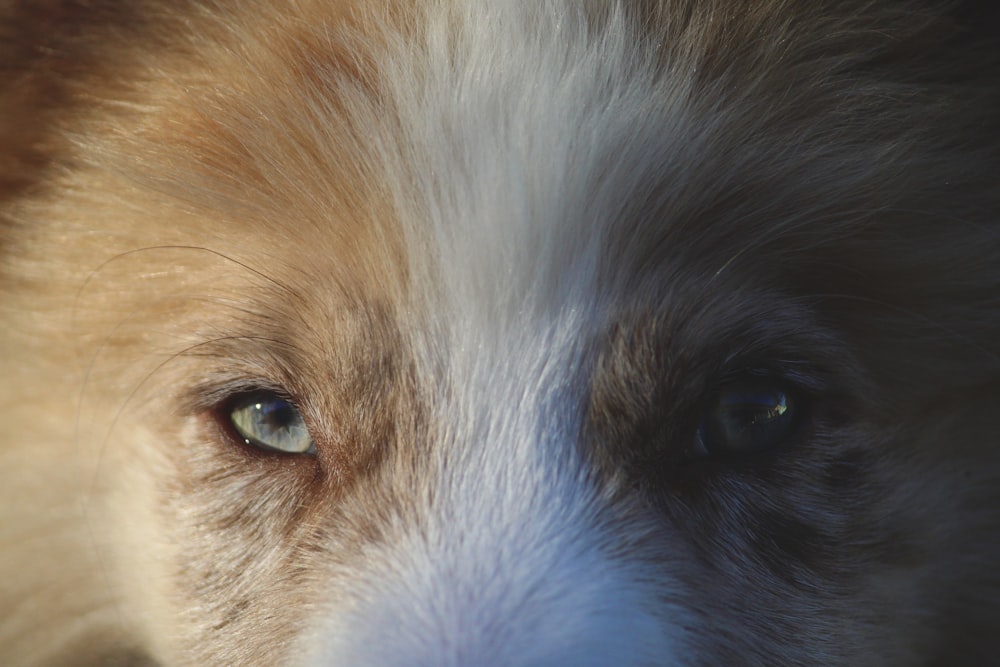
pixel 270 422
pixel 749 415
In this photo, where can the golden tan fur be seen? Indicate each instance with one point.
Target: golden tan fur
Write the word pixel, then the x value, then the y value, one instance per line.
pixel 202 198
pixel 122 129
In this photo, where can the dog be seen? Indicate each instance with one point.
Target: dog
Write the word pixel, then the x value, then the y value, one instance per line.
pixel 513 333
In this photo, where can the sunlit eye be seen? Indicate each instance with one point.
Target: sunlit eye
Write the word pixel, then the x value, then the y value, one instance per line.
pixel 747 416
pixel 270 422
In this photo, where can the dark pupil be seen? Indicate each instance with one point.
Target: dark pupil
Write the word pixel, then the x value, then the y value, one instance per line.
pixel 753 409
pixel 749 419
pixel 277 414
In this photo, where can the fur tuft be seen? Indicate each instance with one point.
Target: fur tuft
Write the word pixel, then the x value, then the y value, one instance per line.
pixel 507 260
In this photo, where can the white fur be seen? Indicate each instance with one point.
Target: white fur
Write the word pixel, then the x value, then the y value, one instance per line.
pixel 504 255
pixel 512 113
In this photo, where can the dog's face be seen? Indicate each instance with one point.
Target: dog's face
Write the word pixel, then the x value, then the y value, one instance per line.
pixel 516 333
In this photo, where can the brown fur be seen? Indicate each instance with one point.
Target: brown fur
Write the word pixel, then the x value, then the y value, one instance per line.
pixel 188 200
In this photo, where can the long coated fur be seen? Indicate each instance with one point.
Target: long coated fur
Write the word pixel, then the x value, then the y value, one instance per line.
pixel 512 263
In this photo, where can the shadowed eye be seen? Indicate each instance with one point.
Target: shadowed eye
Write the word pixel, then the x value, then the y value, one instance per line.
pixel 269 422
pixel 747 416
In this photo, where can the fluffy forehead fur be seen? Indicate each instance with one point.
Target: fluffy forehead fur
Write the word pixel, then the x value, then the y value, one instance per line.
pixel 501 255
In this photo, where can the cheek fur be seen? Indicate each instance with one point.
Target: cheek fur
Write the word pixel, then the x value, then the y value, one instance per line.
pixel 502 257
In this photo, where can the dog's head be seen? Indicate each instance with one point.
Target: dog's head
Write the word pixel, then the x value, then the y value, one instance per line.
pixel 503 333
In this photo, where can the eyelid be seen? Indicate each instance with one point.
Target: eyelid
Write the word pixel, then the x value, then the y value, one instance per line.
pixel 804 380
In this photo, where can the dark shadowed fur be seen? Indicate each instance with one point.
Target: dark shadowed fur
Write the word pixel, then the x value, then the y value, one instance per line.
pixel 194 207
